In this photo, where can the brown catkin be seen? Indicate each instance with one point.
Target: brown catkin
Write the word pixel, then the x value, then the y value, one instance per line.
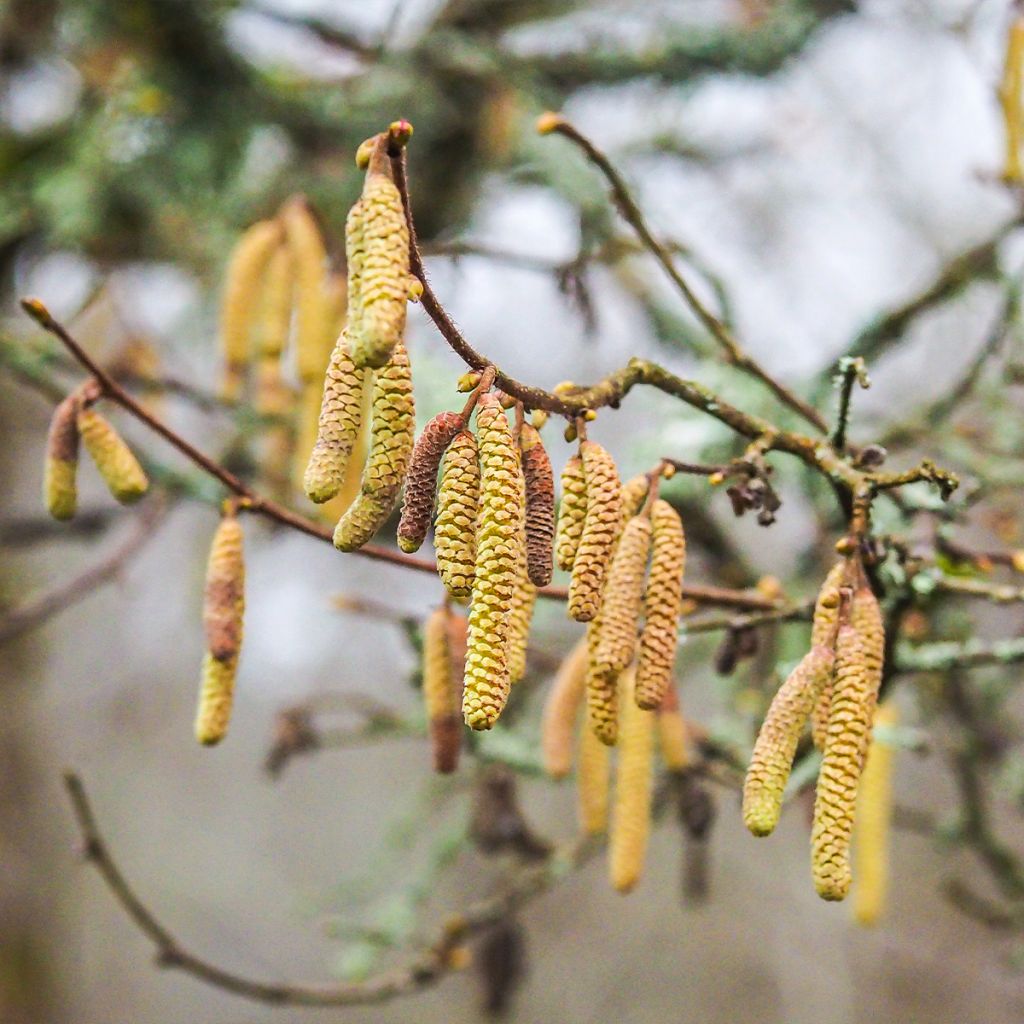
pixel 572 510
pixel 498 544
pixel 672 732
pixel 421 481
pixel 631 817
pixel 60 490
pixel 624 591
pixel 601 524
pixel 216 695
pixel 823 633
pixel 540 506
pixel 224 595
pixel 662 606
pixel 393 424
pixel 125 478
pixel 458 503
pixel 314 316
pixel 439 694
pixel 772 759
pixel 593 761
pixel 561 711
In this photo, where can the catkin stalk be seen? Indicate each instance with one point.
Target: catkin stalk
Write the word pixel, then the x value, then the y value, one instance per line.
pixel 60 490
pixel 458 503
pixel 125 478
pixel 561 709
pixel 439 696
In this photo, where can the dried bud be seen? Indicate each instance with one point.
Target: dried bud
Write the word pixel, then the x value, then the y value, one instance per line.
pixel 539 419
pixel 458 503
pixel 468 381
pixel 501 958
pixel 60 490
pixel 421 482
pixel 540 506
pixel 561 709
pixel 224 595
pixel 124 477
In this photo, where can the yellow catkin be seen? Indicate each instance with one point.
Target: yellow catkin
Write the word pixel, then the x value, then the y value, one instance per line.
pixel 458 502
pixel 572 510
pixel 355 255
pixel 275 398
pixel 338 425
pixel 498 541
pixel 593 761
pixel 384 273
pixel 524 597
pixel 439 696
pixel 124 477
pixel 662 606
pixel 672 733
pixel 224 593
pixel 60 490
pixel 240 304
pixel 393 424
pixel 620 609
pixel 1011 96
pixel 634 776
pixel 601 524
pixel 823 633
pixel 558 723
pixel 216 695
pixel 276 313
pixel 872 825
pixel 772 759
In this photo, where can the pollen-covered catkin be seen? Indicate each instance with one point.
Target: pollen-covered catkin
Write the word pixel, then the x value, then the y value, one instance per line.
pixel 823 632
pixel 216 695
pixel 314 318
pixel 393 425
pixel 384 274
pixel 498 543
pixel 224 595
pixel 572 510
pixel 872 825
pixel 601 525
pixel 772 759
pixel 439 695
pixel 558 723
pixel 421 481
pixel 593 761
pixel 672 733
pixel 124 477
pixel 662 606
pixel 60 491
pixel 458 503
pixel 540 506
pixel 524 597
pixel 355 255
pixel 276 317
pixel 240 305
pixel 624 592
pixel 631 816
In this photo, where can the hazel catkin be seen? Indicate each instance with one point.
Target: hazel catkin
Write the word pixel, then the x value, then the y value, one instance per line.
pixel 540 506
pixel 572 510
pixel 593 762
pixel 823 633
pixel 421 481
pixel 561 710
pixel 439 695
pixel 458 502
pixel 60 490
pixel 224 593
pixel 520 615
pixel 125 478
pixel 672 732
pixel 216 696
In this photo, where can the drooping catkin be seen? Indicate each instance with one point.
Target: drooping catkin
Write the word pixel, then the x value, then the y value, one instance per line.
pixel 524 597
pixel 872 824
pixel 224 594
pixel 672 732
pixel 439 694
pixel 276 314
pixel 384 272
pixel 823 633
pixel 60 490
pixel 498 540
pixel 240 304
pixel 421 481
pixel 772 758
pixel 540 506
pixel 624 589
pixel 458 503
pixel 216 695
pixel 593 761
pixel 393 424
pixel 572 510
pixel 662 606
pixel 631 817
pixel 558 723
pixel 125 478
pixel 601 524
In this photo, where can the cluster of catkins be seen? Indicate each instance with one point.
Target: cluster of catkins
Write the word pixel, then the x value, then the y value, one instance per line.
pixel 836 686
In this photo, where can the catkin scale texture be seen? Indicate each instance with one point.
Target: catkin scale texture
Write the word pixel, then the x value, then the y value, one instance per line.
pixel 439 694
pixel 823 632
pixel 60 490
pixel 314 317
pixel 572 510
pixel 662 606
pixel 592 771
pixel 355 254
pixel 124 477
pixel 524 597
pixel 601 525
pixel 540 506
pixel 623 598
pixel 393 422
pixel 498 543
pixel 421 481
pixel 224 593
pixel 216 695
pixel 458 503
pixel 561 710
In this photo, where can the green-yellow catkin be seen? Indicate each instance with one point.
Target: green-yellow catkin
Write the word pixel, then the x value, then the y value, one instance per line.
pixel 672 732
pixel 124 477
pixel 240 304
pixel 499 539
pixel 823 633
pixel 620 609
pixel 634 776
pixel 384 274
pixel 873 824
pixel 355 255
pixel 60 490
pixel 276 316
pixel 216 695
pixel 314 316
pixel 439 694
pixel 341 414
pixel 662 606
pixel 561 709
pixel 601 525
pixel 593 762
pixel 524 597
pixel 393 425
pixel 458 502
pixel 772 759
pixel 572 510
pixel 224 594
